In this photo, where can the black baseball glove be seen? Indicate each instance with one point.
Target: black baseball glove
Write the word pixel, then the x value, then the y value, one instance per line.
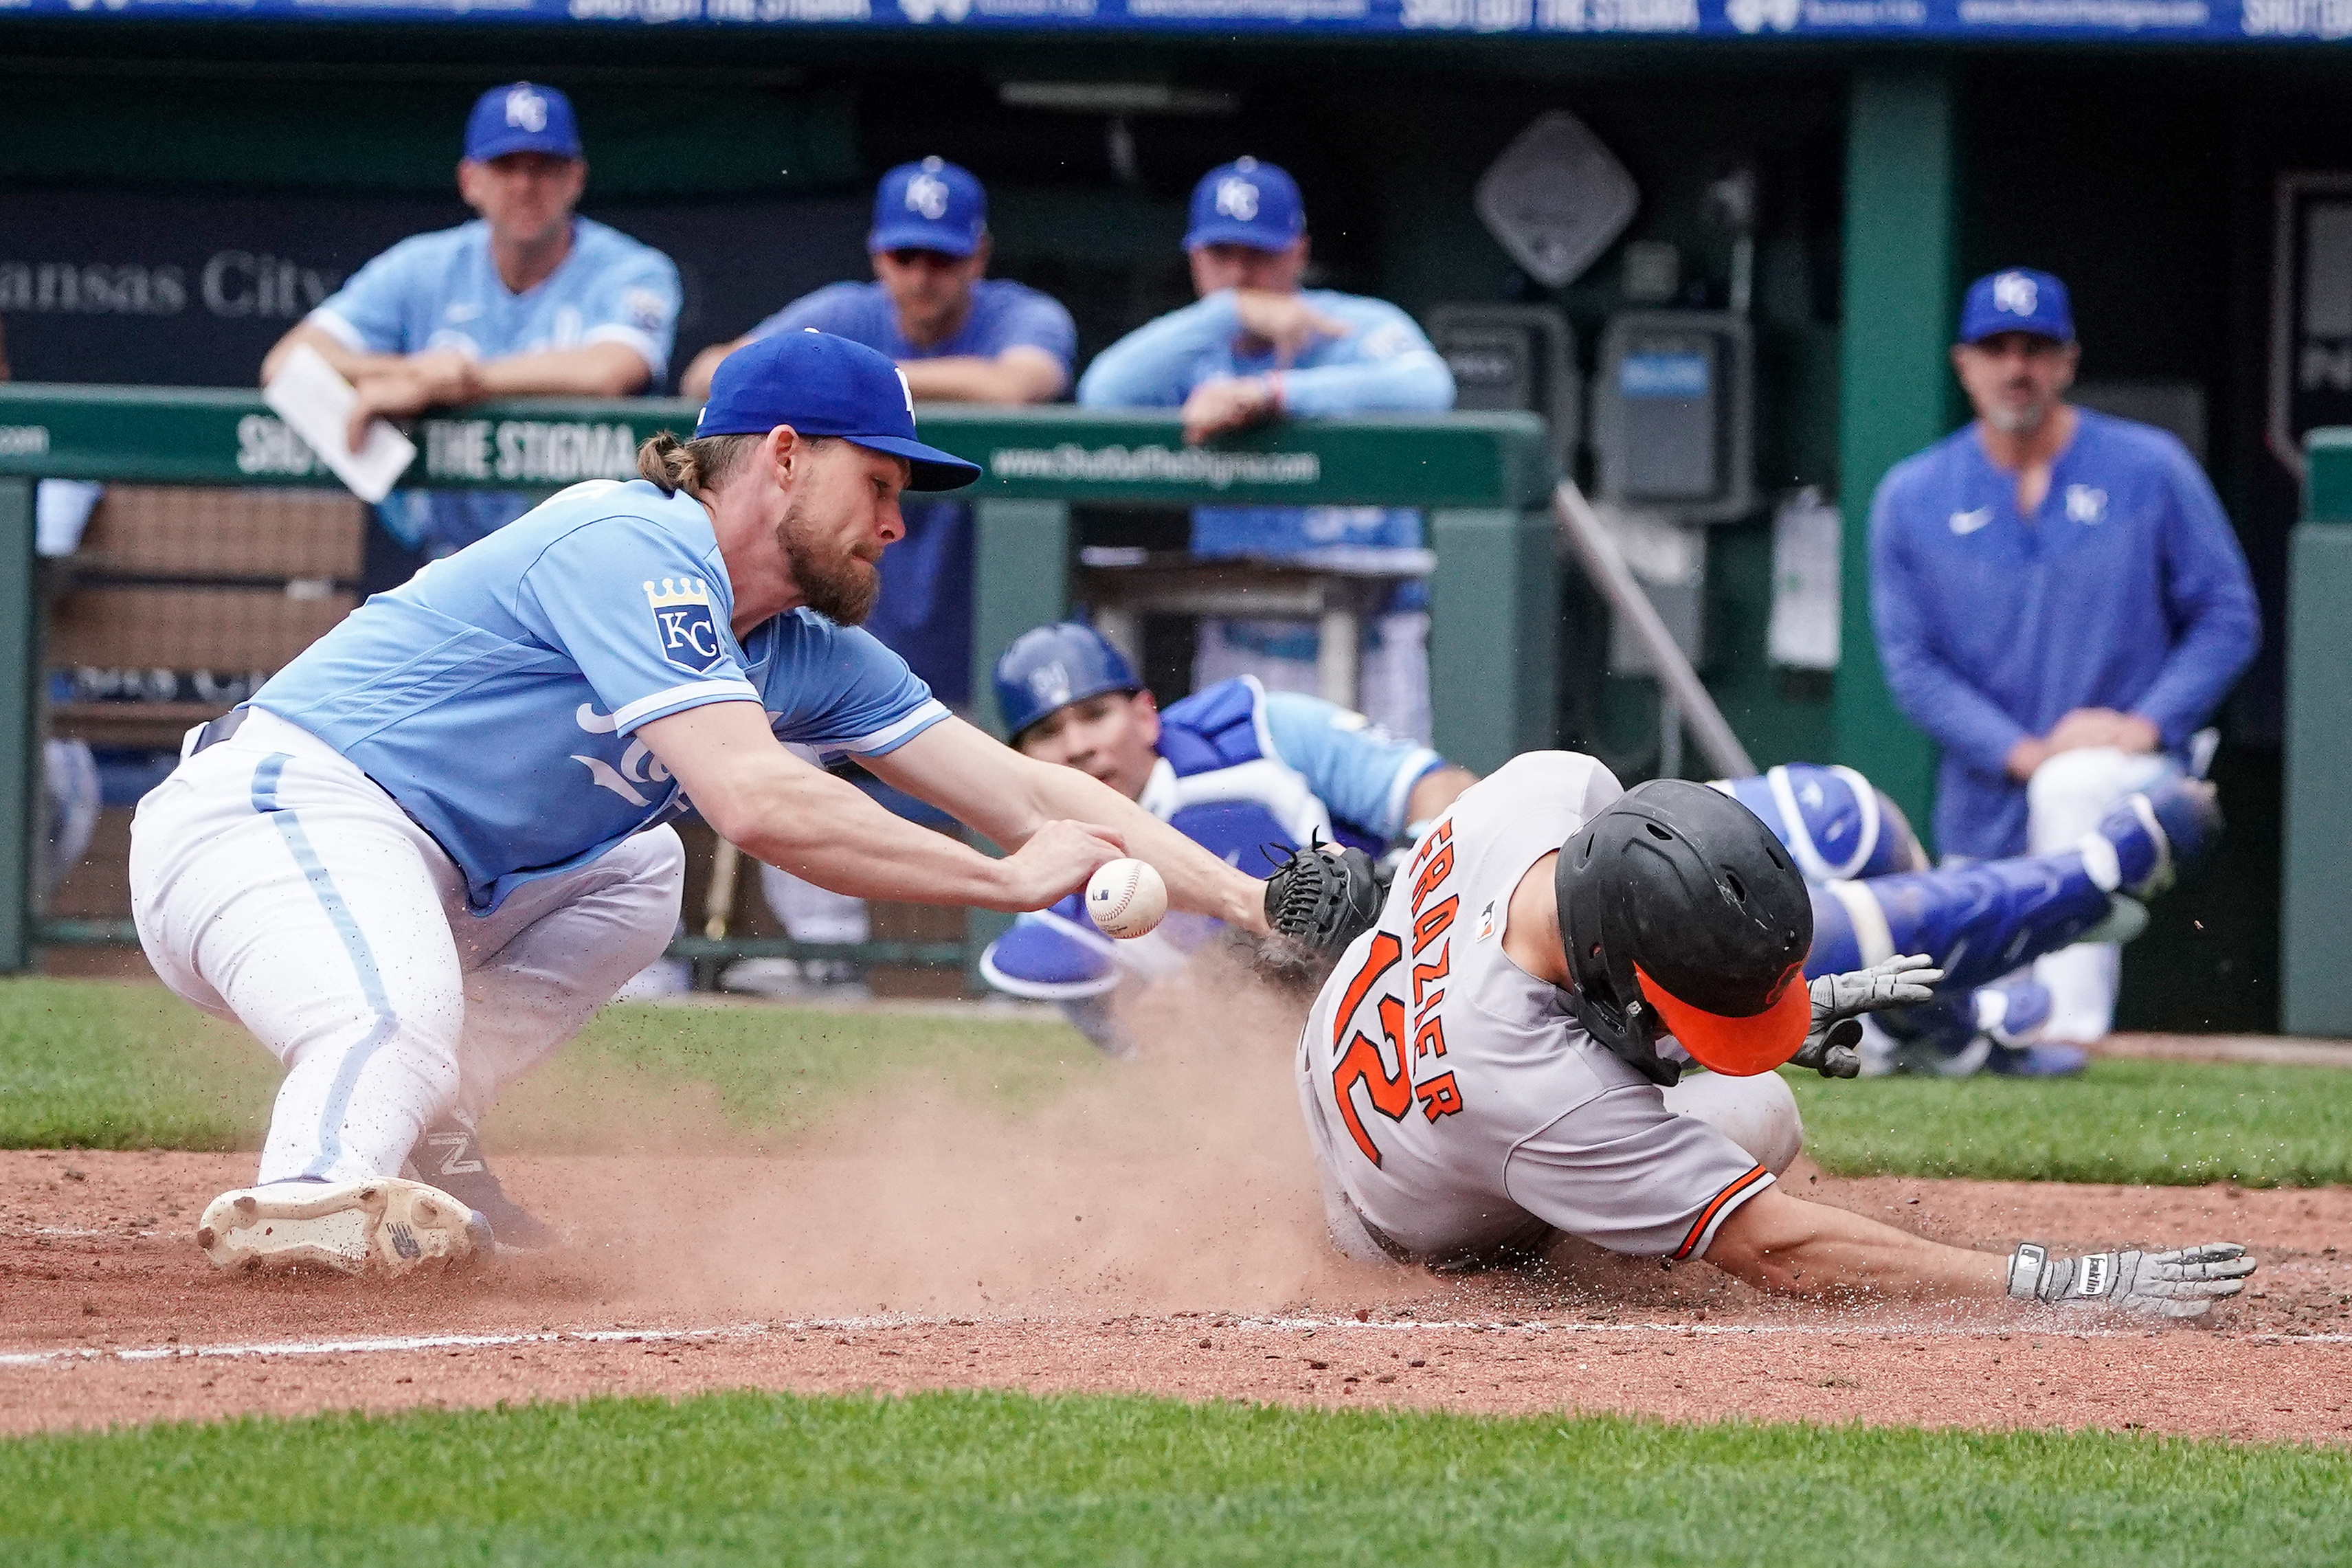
pixel 1323 897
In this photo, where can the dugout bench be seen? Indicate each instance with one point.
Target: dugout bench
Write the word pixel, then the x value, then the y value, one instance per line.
pixel 279 566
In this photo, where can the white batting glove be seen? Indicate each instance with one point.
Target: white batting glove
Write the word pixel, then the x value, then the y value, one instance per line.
pixel 1840 1000
pixel 2179 1284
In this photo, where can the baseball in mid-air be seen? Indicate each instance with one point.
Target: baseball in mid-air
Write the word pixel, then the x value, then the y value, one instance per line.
pixel 1126 898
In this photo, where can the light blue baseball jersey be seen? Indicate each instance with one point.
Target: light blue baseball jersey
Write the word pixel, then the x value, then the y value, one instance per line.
pixel 442 290
pixel 1383 364
pixel 497 694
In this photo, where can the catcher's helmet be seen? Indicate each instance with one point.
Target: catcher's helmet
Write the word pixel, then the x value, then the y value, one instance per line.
pixel 1052 666
pixel 1682 915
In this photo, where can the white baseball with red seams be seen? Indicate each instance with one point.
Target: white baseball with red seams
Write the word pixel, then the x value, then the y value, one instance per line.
pixel 1126 898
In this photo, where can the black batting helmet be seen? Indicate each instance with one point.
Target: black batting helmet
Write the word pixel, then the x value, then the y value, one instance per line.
pixel 1682 915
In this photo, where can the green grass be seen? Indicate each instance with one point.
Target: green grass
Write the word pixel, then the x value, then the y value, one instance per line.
pixel 1001 1477
pixel 2163 1123
pixel 100 1065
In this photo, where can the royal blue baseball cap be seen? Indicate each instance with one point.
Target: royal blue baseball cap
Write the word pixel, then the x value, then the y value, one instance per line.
pixel 521 117
pixel 823 386
pixel 1247 202
pixel 2018 301
pixel 1049 667
pixel 930 205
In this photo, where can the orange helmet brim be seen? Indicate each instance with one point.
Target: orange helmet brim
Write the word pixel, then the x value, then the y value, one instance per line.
pixel 1737 1047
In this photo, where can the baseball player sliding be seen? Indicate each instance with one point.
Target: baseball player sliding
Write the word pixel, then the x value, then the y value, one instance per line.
pixel 1246 772
pixel 1497 1056
pixel 436 842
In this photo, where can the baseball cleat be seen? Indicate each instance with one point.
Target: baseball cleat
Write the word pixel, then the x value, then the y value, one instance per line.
pixel 450 1156
pixel 2037 1062
pixel 385 1226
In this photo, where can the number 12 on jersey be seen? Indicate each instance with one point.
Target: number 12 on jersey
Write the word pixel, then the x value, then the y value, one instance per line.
pixel 1366 1061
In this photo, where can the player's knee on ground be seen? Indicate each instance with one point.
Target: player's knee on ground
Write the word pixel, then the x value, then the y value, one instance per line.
pixel 1758 1113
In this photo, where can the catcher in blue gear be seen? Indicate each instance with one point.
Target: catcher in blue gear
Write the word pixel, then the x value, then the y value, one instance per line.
pixel 1249 774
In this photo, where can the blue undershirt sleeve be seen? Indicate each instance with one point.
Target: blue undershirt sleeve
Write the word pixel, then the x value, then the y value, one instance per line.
pixel 1359 771
pixel 1386 364
pixel 1152 366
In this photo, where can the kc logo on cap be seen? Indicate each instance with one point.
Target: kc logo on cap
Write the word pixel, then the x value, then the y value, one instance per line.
pixel 2017 300
pixel 526 110
pixel 928 193
pixel 521 117
pixel 1246 203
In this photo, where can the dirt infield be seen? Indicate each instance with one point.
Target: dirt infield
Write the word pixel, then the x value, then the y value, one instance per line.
pixel 688 1275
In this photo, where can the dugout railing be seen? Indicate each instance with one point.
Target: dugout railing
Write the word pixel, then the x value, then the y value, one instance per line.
pixel 1483 479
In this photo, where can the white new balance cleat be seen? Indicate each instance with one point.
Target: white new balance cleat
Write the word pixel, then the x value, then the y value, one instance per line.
pixel 385 1226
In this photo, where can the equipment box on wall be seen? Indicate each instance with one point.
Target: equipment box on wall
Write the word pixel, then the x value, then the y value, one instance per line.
pixel 1674 414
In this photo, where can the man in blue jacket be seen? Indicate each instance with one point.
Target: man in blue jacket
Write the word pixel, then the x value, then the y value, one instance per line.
pixel 1259 347
pixel 2059 601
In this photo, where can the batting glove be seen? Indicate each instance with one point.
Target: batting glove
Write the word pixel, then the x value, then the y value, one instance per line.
pixel 2181 1284
pixel 1841 1000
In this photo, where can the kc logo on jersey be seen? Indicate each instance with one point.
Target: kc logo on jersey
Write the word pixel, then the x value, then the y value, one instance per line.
pixel 683 621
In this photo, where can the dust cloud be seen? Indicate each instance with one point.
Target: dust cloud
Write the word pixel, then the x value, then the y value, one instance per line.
pixel 1181 1179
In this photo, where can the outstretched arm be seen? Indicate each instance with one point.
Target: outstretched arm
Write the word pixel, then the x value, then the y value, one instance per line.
pixel 1778 1242
pixel 1781 1243
pixel 783 812
pixel 980 781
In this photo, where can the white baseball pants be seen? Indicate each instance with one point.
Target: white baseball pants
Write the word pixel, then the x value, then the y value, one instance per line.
pixel 2065 800
pixel 275 884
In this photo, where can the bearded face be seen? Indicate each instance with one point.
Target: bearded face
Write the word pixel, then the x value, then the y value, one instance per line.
pixel 837 579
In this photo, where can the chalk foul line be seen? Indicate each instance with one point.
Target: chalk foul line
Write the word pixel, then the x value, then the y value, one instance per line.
pixel 752 1332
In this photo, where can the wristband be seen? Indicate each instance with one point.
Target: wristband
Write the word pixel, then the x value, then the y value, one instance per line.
pixel 2035 1276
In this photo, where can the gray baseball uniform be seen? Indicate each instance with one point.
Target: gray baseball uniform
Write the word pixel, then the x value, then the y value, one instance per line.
pixel 1455 1107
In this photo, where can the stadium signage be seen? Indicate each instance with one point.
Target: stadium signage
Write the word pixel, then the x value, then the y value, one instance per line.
pixel 1073 464
pixel 1725 20
pixel 529 451
pixel 466 451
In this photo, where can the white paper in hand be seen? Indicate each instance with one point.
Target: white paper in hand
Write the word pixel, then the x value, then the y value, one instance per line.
pixel 314 399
